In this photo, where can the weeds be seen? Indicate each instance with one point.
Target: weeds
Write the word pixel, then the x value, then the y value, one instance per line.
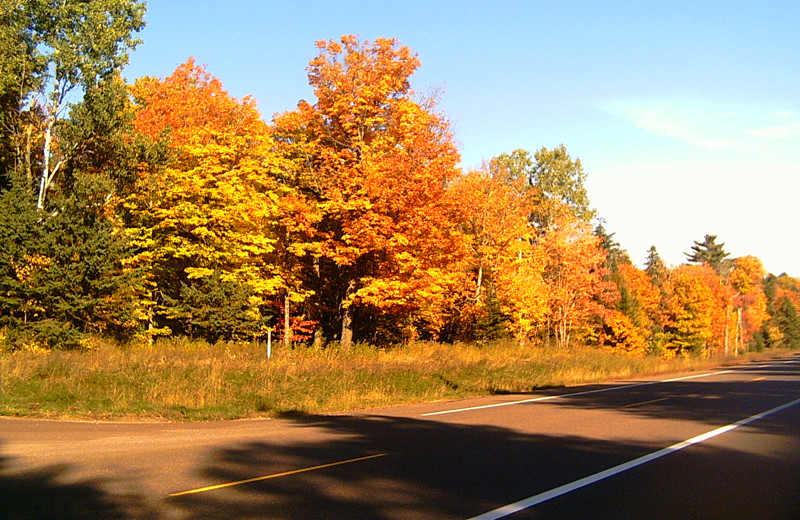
pixel 182 380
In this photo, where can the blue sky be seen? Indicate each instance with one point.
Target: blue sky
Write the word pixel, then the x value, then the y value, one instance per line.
pixel 685 115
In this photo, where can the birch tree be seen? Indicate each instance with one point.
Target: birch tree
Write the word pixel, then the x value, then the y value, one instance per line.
pixel 67 47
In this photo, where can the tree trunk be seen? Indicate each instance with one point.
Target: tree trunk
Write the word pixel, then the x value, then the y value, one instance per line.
pixel 150 327
pixel 319 340
pixel 480 282
pixel 47 175
pixel 347 319
pixel 739 335
pixel 287 325
pixel 347 329
pixel 44 180
pixel 727 329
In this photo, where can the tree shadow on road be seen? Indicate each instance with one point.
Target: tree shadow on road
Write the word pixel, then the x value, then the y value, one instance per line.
pixel 46 493
pixel 701 400
pixel 439 468
pixel 436 470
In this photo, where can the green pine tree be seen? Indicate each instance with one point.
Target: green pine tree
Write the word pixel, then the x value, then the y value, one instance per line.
pixel 709 252
pixel 787 321
pixel 655 267
pixel 62 275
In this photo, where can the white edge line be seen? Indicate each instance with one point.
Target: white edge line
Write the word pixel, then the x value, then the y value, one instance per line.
pixel 696 376
pixel 549 397
pixel 537 399
pixel 510 509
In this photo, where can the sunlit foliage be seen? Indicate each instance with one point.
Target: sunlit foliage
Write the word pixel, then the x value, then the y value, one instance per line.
pixel 170 207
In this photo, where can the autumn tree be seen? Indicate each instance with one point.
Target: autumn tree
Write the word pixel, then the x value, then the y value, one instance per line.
pixel 645 308
pixel 750 303
pixel 574 274
pixel 577 286
pixel 376 159
pixel 697 308
pixel 206 222
pixel 504 267
pixel 787 287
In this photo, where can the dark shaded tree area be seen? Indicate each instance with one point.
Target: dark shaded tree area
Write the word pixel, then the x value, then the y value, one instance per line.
pixel 61 265
pixel 782 330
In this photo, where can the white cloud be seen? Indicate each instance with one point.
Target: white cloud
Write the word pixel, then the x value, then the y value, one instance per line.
pixel 711 126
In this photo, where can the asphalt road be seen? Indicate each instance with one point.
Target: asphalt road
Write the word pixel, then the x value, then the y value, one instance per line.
pixel 719 444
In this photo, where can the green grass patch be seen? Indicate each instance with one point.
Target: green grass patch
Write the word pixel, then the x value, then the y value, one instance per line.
pixel 180 380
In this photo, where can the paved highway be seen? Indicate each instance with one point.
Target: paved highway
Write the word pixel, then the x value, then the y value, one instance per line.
pixel 718 444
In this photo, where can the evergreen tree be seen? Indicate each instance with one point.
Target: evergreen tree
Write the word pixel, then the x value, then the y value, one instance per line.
pixel 655 267
pixel 782 330
pixel 62 274
pixel 20 261
pixel 709 252
pixel 771 291
pixel 788 323
pixel 615 255
pixel 215 309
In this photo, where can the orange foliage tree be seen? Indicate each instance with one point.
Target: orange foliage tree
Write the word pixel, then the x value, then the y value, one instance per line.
pixel 377 161
pixel 644 295
pixel 577 285
pixel 636 315
pixel 503 265
pixel 619 333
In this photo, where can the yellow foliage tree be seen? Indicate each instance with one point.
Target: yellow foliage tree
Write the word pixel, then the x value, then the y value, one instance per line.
pixel 206 223
pixel 503 263
pixel 747 277
pixel 698 302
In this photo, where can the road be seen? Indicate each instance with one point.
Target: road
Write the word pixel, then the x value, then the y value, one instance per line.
pixel 718 444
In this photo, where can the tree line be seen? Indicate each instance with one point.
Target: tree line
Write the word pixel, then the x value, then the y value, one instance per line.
pixel 168 207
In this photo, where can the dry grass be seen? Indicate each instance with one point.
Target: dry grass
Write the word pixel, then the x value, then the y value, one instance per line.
pixel 181 380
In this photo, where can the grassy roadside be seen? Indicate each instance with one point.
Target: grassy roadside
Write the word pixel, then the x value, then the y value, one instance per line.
pixel 179 380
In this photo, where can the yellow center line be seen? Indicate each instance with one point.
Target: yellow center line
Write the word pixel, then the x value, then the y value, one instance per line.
pixel 276 475
pixel 758 379
pixel 645 402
